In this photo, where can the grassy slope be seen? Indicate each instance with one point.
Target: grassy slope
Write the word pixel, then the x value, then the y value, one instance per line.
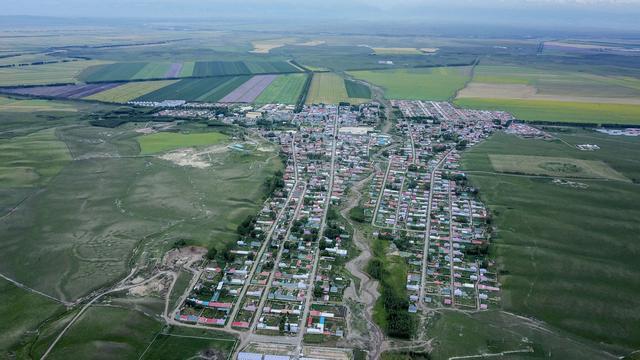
pixel 31 160
pixel 165 141
pixel 567 254
pixel 559 111
pixel 421 84
pixel 130 91
pixel 285 89
pixel 21 311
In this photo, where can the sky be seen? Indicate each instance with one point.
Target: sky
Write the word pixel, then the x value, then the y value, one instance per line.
pixel 606 14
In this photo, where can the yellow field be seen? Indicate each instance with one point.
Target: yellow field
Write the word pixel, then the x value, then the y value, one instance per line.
pixel 329 88
pixel 129 91
pixel 265 46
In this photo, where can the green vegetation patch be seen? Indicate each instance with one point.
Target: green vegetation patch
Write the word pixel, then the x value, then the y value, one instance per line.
pixel 285 89
pixel 111 72
pixel 439 83
pixel 357 90
pixel 554 166
pixel 45 74
pixel 154 70
pixel 181 343
pixel 21 311
pixel 567 254
pixel 164 141
pixel 34 105
pixel 31 160
pixel 206 89
pixel 559 111
pixel 329 88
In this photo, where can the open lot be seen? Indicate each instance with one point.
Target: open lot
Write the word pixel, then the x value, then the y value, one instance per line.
pixel 567 253
pixel 554 166
pixel 419 83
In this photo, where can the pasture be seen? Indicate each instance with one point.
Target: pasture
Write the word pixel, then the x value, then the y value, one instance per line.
pixel 285 89
pixel 329 88
pixel 129 91
pixel 418 83
pixel 567 254
pixel 164 141
pixel 31 160
pixel 559 111
pixel 45 74
pixel 554 166
pixel 84 228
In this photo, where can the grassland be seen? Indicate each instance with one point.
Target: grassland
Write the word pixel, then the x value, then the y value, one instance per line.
pixel 129 91
pixel 567 253
pixel 164 141
pixel 31 160
pixel 81 228
pixel 45 74
pixel 357 90
pixel 559 111
pixel 178 343
pixel 420 83
pixel 285 89
pixel 329 88
pixel 21 311
pixel 34 105
pixel 396 51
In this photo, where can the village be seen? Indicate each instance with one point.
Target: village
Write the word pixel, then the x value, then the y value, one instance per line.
pixel 283 281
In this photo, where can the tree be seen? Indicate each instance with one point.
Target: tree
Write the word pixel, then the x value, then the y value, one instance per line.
pixel 211 253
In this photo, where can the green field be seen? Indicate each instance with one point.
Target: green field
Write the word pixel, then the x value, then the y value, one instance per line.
pixel 419 83
pixel 45 74
pixel 111 72
pixel 559 111
pixel 180 343
pixel 31 160
pixel 21 311
pixel 567 253
pixel 129 91
pixel 164 141
pixel 34 105
pixel 285 89
pixel 152 71
pixel 81 228
pixel 554 166
pixel 207 89
pixel 357 90
pixel 329 88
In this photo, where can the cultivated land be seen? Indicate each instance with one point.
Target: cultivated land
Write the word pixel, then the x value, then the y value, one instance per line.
pixel 330 88
pixel 206 89
pixel 559 111
pixel 550 235
pixel 33 105
pixel 160 142
pixel 419 84
pixel 285 89
pixel 129 91
pixel 45 74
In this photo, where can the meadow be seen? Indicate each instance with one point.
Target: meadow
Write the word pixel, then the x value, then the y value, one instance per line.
pixel 286 89
pixel 129 91
pixel 417 84
pixel 567 253
pixel 164 141
pixel 84 229
pixel 559 111
pixel 329 88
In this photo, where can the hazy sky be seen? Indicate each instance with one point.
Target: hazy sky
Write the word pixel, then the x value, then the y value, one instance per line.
pixel 613 14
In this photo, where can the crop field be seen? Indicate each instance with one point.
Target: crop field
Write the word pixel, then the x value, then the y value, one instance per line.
pixel 45 74
pixel 417 84
pixel 207 89
pixel 357 90
pixel 153 71
pixel 329 88
pixel 63 91
pixel 221 68
pixel 559 111
pixel 554 166
pixel 396 51
pixel 567 249
pixel 129 91
pixel 285 89
pixel 249 90
pixel 22 311
pixel 34 105
pixel 164 141
pixel 111 72
pixel 31 160
pixel 81 231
